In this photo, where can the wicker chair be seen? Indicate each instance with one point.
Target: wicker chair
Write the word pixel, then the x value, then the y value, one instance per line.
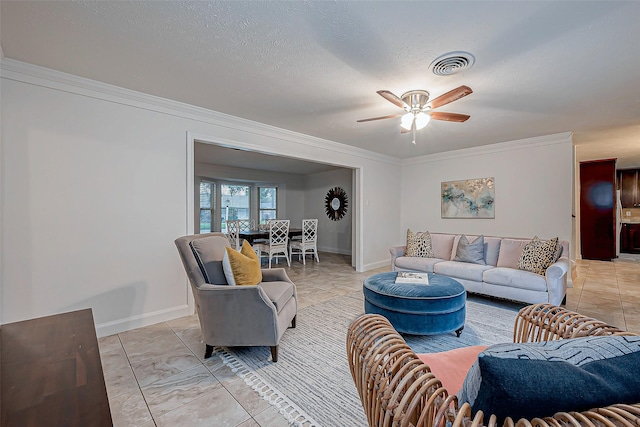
pixel 397 389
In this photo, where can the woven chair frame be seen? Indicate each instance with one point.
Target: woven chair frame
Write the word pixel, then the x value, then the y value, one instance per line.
pixel 398 390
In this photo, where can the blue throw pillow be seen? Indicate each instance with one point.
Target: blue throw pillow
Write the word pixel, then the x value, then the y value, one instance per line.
pixel 539 379
pixel 470 252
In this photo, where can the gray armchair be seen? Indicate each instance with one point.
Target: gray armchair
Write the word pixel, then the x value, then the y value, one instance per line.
pixel 236 315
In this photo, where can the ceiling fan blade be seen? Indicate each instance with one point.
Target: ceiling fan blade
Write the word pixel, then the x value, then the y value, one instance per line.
pixel 449 117
pixel 392 98
pixel 452 95
pixel 380 118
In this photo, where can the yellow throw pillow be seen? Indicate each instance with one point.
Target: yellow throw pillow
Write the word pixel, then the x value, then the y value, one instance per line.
pixel 245 266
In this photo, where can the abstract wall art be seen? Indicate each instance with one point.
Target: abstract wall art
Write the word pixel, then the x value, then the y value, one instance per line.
pixel 470 198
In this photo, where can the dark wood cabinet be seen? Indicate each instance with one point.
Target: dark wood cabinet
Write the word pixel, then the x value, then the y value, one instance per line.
pixel 629 181
pixel 52 373
pixel 630 238
pixel 597 209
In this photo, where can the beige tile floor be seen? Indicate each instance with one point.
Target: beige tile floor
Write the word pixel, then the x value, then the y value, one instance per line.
pixel 156 375
pixel 608 291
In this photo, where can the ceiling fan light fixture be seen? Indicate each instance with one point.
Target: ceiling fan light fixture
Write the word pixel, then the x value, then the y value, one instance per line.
pixel 422 120
pixel 407 121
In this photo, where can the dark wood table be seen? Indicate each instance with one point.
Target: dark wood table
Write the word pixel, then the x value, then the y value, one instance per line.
pixel 52 374
pixel 252 235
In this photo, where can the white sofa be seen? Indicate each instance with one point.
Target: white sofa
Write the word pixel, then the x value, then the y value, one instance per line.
pixel 499 277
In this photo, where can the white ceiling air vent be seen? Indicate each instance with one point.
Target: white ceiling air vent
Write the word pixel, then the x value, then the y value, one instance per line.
pixel 451 63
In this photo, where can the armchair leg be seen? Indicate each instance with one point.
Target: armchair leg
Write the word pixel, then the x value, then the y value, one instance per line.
pixel 208 351
pixel 274 353
pixel 293 322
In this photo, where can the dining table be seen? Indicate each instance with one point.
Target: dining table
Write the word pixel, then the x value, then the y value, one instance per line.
pixel 253 235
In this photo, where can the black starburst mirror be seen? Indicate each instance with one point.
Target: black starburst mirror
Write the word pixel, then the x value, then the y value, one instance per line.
pixel 335 203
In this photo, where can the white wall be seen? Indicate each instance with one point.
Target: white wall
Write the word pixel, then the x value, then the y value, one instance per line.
pixel 95 188
pixel 533 189
pixel 94 196
pixel 333 236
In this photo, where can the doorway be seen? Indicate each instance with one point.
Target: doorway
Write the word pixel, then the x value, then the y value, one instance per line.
pixel 273 161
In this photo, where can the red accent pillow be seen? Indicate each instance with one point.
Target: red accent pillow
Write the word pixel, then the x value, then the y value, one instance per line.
pixel 451 367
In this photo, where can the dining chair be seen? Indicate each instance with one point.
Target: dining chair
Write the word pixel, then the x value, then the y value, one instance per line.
pixel 246 224
pixel 232 234
pixel 249 225
pixel 278 244
pixel 308 242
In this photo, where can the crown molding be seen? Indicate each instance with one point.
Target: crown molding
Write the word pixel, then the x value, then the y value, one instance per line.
pixel 46 77
pixel 520 144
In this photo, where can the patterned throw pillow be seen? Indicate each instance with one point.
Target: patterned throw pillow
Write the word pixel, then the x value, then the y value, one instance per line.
pixel 539 379
pixel 419 245
pixel 537 255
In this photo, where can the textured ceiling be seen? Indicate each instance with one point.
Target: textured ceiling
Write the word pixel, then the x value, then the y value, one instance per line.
pixel 314 66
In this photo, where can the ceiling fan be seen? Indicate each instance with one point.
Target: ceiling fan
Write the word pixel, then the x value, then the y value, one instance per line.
pixel 417 108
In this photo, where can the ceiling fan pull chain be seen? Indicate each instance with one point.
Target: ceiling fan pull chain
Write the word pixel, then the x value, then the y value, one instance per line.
pixel 413 131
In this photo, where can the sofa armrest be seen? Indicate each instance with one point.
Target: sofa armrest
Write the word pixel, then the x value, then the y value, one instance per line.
pixel 396 251
pixel 556 276
pixel 275 275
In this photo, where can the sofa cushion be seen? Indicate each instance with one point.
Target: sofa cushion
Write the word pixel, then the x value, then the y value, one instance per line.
pixel 419 244
pixel 510 251
pixel 537 255
pixel 209 252
pixel 461 270
pixel 514 278
pixel 442 245
pixel 278 292
pixel 471 252
pixel 491 250
pixel 242 268
pixel 540 379
pixel 451 367
pixel 417 263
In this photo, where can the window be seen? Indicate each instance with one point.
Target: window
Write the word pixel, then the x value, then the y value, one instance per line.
pixel 234 203
pixel 268 204
pixel 207 197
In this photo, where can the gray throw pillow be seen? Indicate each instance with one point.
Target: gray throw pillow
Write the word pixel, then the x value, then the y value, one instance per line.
pixel 470 252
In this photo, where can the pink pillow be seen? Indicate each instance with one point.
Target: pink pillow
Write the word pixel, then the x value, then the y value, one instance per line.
pixel 451 367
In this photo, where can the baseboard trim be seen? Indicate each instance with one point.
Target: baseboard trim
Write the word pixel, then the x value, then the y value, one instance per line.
pixel 334 250
pixel 146 319
pixel 378 264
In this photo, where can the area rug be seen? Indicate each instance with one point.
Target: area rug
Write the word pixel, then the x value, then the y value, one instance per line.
pixel 311 384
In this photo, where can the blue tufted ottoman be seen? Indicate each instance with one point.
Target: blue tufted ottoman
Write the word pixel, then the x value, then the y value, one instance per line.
pixel 417 308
